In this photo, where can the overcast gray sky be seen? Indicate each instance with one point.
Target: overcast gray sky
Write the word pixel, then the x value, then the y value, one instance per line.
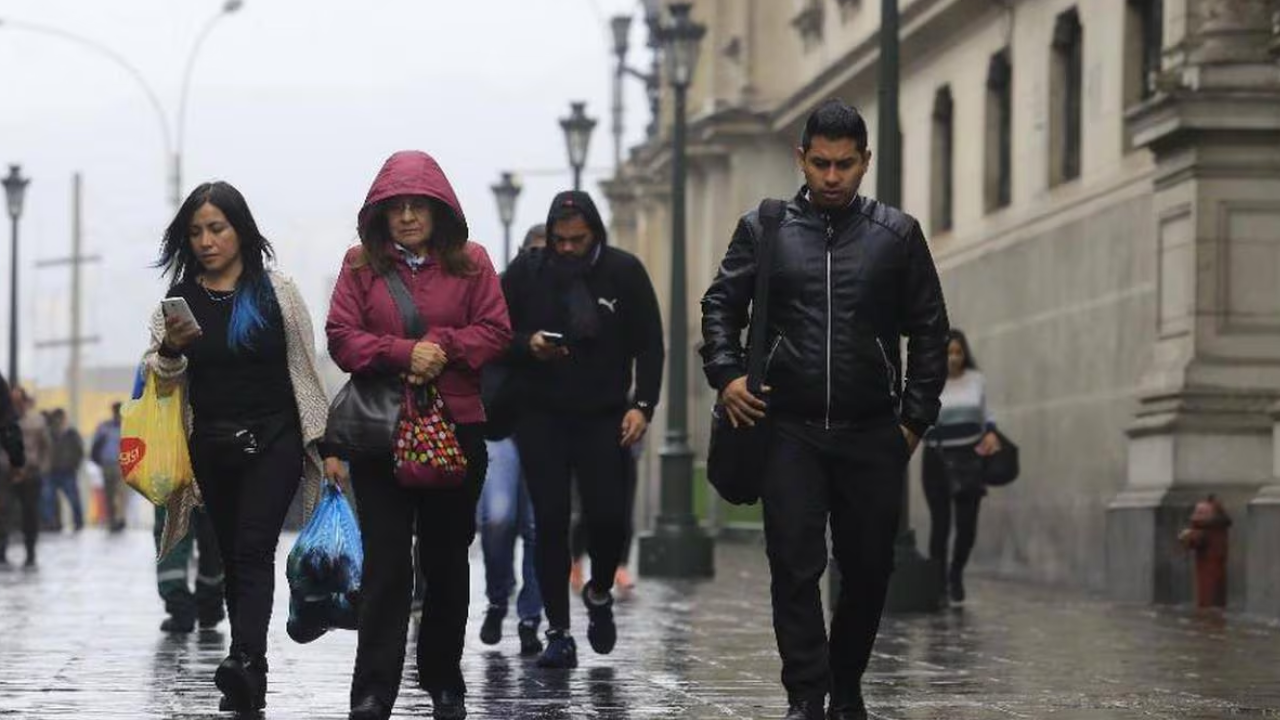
pixel 296 102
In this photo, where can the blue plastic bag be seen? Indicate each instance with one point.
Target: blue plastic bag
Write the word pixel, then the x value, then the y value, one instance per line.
pixel 324 570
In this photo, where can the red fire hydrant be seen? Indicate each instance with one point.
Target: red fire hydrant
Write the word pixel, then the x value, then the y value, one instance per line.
pixel 1207 538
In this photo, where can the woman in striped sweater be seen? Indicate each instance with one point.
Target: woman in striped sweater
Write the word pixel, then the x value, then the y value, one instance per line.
pixel 954 449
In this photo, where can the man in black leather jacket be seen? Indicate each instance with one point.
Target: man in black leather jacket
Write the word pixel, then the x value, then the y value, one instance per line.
pixel 850 277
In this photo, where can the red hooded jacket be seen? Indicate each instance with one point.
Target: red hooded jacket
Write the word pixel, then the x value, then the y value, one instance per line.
pixel 465 316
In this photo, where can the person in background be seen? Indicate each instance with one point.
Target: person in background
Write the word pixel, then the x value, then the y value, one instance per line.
pixel 589 351
pixel 954 448
pixel 505 509
pixel 64 469
pixel 13 457
pixel 413 232
pixel 105 452
pixel 25 485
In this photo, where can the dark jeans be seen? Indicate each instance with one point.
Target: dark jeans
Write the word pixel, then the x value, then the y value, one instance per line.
pixel 62 482
pixel 949 484
pixel 173 571
pixel 855 477
pixel 27 494
pixel 578 535
pixel 247 502
pixel 554 449
pixel 445 524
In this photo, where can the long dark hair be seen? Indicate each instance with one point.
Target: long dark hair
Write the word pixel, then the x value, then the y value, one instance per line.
pixel 958 336
pixel 7 410
pixel 447 243
pixel 252 304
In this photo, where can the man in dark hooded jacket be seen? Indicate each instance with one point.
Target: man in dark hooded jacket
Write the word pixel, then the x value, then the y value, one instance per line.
pixel 587 342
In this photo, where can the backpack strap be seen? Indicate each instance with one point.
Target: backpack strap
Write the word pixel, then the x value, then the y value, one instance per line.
pixel 771 214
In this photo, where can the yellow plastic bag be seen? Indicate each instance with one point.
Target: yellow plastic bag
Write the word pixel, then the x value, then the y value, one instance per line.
pixel 154 458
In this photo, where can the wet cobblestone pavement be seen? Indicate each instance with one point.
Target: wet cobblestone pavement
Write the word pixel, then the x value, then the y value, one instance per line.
pixel 79 639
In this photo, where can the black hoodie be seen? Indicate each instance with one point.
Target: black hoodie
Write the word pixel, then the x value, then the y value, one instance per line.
pixel 623 341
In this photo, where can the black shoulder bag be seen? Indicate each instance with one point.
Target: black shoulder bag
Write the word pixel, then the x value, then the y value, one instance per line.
pixel 736 457
pixel 363 415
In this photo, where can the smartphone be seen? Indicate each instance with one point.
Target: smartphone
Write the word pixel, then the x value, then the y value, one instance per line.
pixel 178 307
pixel 554 338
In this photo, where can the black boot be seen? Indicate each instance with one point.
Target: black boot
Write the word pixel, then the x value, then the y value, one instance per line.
pixel 242 678
pixel 369 708
pixel 847 705
pixel 448 705
pixel 805 708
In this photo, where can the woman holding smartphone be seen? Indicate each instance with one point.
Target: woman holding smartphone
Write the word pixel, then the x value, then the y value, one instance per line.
pixel 238 337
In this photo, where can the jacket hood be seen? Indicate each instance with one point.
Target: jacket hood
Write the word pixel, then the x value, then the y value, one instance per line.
pixel 410 172
pixel 582 202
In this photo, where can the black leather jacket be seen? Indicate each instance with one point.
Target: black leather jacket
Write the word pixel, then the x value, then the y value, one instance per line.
pixel 845 286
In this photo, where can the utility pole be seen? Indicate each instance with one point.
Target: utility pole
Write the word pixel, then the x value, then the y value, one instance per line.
pixel 77 339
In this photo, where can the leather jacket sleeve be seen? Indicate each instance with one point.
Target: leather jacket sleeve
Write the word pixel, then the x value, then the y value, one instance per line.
pixel 725 306
pixel 924 322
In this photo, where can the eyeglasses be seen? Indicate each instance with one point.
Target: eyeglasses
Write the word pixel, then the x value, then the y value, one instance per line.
pixel 415 204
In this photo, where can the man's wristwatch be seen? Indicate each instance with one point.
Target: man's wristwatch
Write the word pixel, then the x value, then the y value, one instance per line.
pixel 644 407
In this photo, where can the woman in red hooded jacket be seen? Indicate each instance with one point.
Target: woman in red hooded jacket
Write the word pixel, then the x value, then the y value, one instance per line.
pixel 412 225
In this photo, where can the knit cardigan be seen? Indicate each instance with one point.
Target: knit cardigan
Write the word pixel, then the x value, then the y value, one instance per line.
pixel 308 393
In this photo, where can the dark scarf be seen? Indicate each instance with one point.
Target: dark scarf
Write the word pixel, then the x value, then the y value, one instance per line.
pixel 569 282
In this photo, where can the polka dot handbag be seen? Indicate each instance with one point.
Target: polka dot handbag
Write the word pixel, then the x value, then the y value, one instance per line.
pixel 426 451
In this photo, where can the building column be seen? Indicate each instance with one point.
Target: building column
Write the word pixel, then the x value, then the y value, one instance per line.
pixel 1262 581
pixel 1204 422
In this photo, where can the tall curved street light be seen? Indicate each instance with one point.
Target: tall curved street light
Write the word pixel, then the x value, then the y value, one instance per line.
pixel 678 547
pixel 15 191
pixel 173 150
pixel 577 138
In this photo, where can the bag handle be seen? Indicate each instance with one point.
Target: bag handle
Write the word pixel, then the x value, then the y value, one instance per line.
pixel 414 326
pixel 771 214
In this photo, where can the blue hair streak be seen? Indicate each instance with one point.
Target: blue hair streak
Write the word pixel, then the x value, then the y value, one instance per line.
pixel 249 312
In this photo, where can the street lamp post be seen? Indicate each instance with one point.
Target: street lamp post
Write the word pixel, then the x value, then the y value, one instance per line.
pixel 15 190
pixel 621 26
pixel 173 151
pixel 228 8
pixel 577 138
pixel 506 192
pixel 916 584
pixel 678 547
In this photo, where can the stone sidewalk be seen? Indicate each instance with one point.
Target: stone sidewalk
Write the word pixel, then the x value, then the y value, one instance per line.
pixel 79 639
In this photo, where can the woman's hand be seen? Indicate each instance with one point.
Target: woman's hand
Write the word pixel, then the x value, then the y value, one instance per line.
pixel 336 472
pixel 428 360
pixel 179 333
pixel 989 445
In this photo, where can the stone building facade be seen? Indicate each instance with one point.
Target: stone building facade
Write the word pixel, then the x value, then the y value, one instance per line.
pixel 1100 184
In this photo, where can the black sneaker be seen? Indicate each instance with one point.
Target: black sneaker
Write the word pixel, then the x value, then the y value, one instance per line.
pixel 491 629
pixel 561 652
pixel 178 625
pixel 211 619
pixel 956 591
pixel 602 633
pixel 529 642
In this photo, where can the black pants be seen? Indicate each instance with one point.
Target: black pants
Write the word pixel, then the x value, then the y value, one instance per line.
pixel 246 503
pixel 578 535
pixel 952 480
pixel 555 449
pixel 27 494
pixel 445 522
pixel 855 477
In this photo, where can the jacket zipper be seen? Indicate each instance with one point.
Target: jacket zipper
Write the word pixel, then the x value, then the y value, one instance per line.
pixel 830 238
pixel 768 359
pixel 893 377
